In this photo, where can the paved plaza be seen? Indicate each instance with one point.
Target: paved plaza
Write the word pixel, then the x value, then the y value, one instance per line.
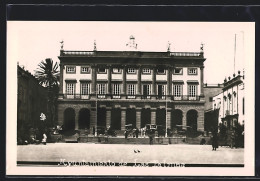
pixel 177 153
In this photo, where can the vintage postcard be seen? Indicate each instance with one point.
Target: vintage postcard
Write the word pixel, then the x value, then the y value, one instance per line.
pixel 130 98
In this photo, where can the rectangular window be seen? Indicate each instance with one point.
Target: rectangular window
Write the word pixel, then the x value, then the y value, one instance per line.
pixel 177 90
pixel 70 88
pixel 116 70
pixel 161 71
pixel 85 70
pixel 101 89
pixel 71 69
pixel 116 89
pixel 85 89
pixel 131 70
pixel 131 89
pixel 192 90
pixel 101 70
pixel 210 99
pixel 146 89
pixel 177 71
pixel 146 70
pixel 161 90
pixel 192 71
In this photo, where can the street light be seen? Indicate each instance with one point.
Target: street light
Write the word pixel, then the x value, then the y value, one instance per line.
pixel 166 114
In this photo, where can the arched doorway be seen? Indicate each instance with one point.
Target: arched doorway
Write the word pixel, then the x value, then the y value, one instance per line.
pixel 69 119
pixel 161 117
pixel 101 117
pixel 116 119
pixel 192 116
pixel 131 116
pixel 145 117
pixel 84 118
pixel 176 119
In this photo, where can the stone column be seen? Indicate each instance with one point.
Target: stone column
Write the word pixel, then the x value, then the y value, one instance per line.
pixel 61 79
pixel 169 115
pixel 93 118
pixel 138 118
pixel 153 115
pixel 139 81
pixel 94 80
pixel 169 81
pixel 76 119
pixel 184 120
pixel 154 90
pixel 108 116
pixel 201 81
pixel 123 118
pixel 124 80
pixel 109 81
pixel 200 120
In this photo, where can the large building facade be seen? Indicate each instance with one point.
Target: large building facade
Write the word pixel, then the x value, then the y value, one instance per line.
pixel 231 102
pixel 116 88
pixel 31 99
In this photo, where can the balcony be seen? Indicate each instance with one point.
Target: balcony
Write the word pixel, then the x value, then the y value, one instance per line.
pixel 137 97
pixel 185 98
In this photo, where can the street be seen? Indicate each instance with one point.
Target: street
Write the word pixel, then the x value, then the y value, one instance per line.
pixel 176 153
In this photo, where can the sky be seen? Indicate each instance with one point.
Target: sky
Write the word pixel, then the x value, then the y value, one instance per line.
pixel 29 42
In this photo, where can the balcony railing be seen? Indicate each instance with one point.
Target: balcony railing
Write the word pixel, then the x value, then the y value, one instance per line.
pixel 124 96
pixel 188 54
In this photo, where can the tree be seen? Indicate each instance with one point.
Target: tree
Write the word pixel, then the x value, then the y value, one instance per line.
pixel 48 75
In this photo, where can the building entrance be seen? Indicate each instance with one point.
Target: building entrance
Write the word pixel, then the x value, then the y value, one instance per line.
pixel 131 117
pixel 192 116
pixel 116 119
pixel 145 117
pixel 69 119
pixel 84 119
pixel 101 117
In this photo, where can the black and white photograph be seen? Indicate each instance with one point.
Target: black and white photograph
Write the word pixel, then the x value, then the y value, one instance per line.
pixel 131 98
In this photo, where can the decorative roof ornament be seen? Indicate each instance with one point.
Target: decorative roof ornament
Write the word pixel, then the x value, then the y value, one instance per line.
pixel 169 47
pixel 61 45
pixel 131 45
pixel 95 45
pixel 202 47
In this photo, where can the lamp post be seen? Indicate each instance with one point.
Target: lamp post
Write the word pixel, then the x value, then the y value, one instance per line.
pixel 166 114
pixel 96 112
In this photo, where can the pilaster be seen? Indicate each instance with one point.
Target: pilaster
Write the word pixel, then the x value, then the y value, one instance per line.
pixel 153 115
pixel 138 118
pixel 108 117
pixel 123 118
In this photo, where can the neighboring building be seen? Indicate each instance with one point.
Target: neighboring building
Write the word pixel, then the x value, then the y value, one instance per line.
pixel 115 88
pixel 31 99
pixel 211 116
pixel 231 102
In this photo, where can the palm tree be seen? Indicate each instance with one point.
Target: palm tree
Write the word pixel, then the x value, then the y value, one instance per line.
pixel 48 75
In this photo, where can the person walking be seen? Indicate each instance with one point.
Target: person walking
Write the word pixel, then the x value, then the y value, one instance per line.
pixel 125 134
pixel 136 132
pixel 94 130
pixel 44 138
pixel 215 141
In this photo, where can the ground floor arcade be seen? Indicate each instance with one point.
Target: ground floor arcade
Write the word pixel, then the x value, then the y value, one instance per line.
pixel 86 116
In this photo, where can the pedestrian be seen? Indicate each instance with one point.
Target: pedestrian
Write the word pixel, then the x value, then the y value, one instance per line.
pixel 44 138
pixel 93 130
pixel 136 132
pixel 125 134
pixel 215 141
pixel 133 132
